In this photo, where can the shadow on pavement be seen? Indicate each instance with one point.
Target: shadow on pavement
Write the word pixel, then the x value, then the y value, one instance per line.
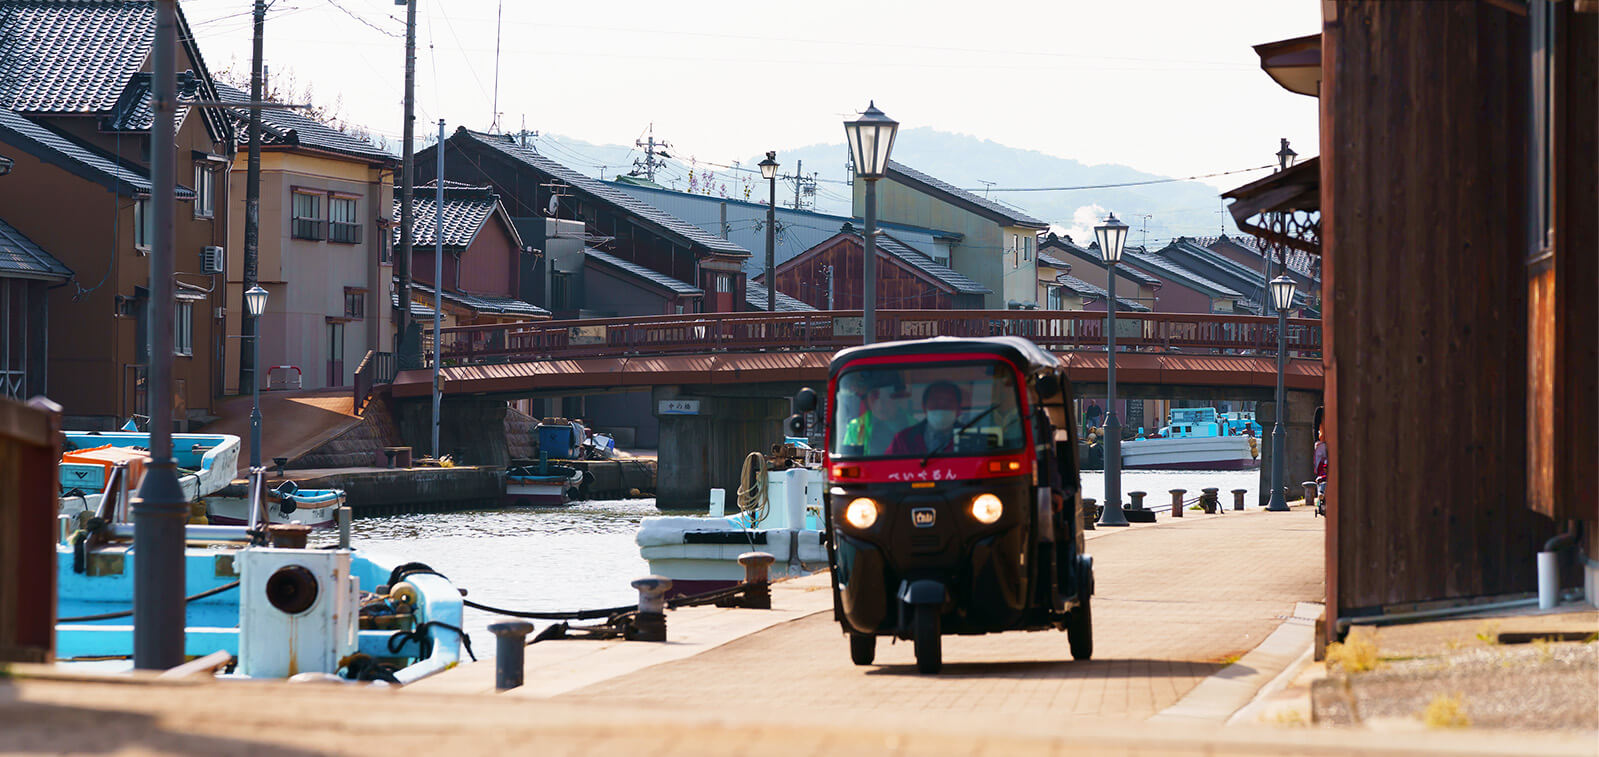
pixel 1098 668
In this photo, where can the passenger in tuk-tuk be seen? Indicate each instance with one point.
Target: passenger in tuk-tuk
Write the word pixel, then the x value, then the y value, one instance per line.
pixel 878 411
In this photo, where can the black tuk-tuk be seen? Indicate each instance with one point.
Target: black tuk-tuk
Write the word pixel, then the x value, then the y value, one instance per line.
pixel 952 500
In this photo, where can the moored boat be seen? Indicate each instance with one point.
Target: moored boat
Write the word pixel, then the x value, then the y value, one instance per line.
pixel 1196 438
pixel 317 508
pixel 206 464
pixel 544 485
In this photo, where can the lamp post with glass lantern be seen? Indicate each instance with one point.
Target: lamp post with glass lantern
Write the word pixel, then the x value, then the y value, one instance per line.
pixel 769 173
pixel 1282 296
pixel 1112 236
pixel 871 138
pixel 255 301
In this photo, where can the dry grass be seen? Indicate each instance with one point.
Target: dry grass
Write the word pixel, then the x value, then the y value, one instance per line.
pixel 1445 711
pixel 1488 633
pixel 1357 653
pixel 1545 647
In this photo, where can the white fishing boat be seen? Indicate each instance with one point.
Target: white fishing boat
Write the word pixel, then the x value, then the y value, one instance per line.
pixel 206 464
pixel 288 503
pixel 545 484
pixel 783 519
pixel 1194 439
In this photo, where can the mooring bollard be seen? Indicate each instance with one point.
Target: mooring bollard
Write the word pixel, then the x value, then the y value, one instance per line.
pixel 650 623
pixel 508 645
pixel 1090 514
pixel 757 573
pixel 1137 500
pixel 1238 498
pixel 1311 490
pixel 1135 511
pixel 343 516
pixel 1177 502
pixel 1209 499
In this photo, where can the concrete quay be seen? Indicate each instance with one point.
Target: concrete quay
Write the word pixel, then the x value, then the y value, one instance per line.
pixel 1182 611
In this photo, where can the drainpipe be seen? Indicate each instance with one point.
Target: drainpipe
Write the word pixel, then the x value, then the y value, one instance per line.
pixel 1549 565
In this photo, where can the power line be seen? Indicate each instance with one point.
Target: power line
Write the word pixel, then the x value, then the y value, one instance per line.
pixel 1126 183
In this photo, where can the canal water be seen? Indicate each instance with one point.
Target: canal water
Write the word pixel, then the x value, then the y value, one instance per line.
pixel 583 556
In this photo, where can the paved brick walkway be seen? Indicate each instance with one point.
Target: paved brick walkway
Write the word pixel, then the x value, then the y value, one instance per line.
pixel 1175 604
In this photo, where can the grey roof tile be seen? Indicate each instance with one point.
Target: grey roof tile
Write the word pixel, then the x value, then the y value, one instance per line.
pixel 485 303
pixel 72 56
pixel 418 310
pixel 755 295
pixel 681 231
pixel 134 111
pixel 1084 288
pixel 1071 250
pixel 283 126
pixel 956 280
pixel 659 279
pixel 466 210
pixel 82 160
pixel 1180 274
pixel 991 208
pixel 21 257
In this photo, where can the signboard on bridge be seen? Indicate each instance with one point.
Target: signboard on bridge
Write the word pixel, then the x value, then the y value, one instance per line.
pixel 678 407
pixel 918 329
pixel 848 326
pixel 585 335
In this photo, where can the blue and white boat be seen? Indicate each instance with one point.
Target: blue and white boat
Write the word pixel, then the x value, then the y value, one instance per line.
pixel 206 464
pixel 1195 438
pixel 278 611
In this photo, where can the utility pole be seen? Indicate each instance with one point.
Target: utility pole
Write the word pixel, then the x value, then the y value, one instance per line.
pixel 799 181
pixel 438 285
pixel 406 357
pixel 161 509
pixel 652 159
pixel 252 202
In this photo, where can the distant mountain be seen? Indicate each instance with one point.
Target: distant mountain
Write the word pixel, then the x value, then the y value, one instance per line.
pixel 1175 208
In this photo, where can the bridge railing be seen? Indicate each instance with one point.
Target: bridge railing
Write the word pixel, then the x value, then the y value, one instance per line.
pixel 701 333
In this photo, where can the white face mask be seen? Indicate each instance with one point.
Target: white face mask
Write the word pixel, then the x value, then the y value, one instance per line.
pixel 941 420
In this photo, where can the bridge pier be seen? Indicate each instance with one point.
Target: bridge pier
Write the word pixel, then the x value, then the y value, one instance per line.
pixel 705 433
pixel 1299 447
pixel 471 429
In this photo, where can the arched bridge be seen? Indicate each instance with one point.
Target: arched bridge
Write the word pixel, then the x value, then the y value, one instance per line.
pixel 1161 349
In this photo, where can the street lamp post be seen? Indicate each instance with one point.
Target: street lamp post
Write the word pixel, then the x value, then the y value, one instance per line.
pixel 871 138
pixel 255 301
pixel 1282 296
pixel 769 172
pixel 1112 236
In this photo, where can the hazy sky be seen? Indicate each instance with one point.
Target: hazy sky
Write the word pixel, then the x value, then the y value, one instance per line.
pixel 1166 86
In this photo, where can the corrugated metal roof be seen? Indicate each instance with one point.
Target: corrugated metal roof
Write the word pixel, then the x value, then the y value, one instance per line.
pixel 679 230
pixel 634 269
pixel 72 57
pixel 80 159
pixel 19 256
pixel 466 210
pixel 283 126
pixel 755 295
pixel 1010 216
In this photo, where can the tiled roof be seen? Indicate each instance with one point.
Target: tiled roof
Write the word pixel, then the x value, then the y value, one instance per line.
pixel 659 279
pixel 466 210
pixel 956 280
pixel 755 295
pixel 418 310
pixel 676 228
pixel 1085 289
pixel 984 206
pixel 1179 274
pixel 1047 259
pixel 1066 244
pixel 134 111
pixel 19 256
pixel 485 303
pixel 287 127
pixel 79 159
pixel 72 56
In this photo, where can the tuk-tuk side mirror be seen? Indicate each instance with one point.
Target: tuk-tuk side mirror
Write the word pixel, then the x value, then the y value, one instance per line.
pixel 1048 385
pixel 805 400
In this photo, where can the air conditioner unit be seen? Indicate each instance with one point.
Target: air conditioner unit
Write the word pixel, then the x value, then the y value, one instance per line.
pixel 297 611
pixel 212 260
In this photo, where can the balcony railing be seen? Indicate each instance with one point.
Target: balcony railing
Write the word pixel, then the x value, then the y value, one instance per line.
pixel 703 333
pixel 344 233
pixel 308 228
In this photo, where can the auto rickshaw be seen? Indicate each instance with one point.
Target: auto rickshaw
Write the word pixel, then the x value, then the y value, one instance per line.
pixel 952 504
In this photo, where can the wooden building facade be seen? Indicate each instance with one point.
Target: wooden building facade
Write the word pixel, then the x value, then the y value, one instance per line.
pixel 827 277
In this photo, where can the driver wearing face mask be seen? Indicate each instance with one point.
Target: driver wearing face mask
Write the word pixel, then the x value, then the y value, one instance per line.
pixel 942 403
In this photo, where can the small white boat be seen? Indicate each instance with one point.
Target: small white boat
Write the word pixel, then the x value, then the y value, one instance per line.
pixel 700 554
pixel 206 464
pixel 288 503
pixel 541 485
pixel 1195 439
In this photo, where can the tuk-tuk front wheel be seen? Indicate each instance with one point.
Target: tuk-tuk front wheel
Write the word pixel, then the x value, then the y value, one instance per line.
pixel 1080 631
pixel 928 643
pixel 862 648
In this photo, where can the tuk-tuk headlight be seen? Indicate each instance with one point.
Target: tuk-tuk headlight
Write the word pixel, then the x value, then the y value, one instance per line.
pixel 861 512
pixel 987 508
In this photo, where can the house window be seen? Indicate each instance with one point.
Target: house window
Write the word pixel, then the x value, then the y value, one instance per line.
pixel 307 215
pixel 560 290
pixel 141 224
pixel 354 303
pixel 1056 300
pixel 204 191
pixel 183 329
pixel 1027 248
pixel 342 224
pixel 724 282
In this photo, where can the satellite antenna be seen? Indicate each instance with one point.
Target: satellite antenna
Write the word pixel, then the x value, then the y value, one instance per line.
pixel 555 205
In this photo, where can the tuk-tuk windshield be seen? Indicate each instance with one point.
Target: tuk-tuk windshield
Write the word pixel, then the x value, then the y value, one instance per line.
pixel 960 408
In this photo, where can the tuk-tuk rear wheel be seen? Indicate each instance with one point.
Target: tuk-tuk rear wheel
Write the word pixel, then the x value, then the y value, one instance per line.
pixel 862 648
pixel 928 643
pixel 1080 631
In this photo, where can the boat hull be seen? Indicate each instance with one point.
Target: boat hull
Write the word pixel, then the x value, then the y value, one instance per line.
pixel 541 490
pixel 1189 453
pixel 230 511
